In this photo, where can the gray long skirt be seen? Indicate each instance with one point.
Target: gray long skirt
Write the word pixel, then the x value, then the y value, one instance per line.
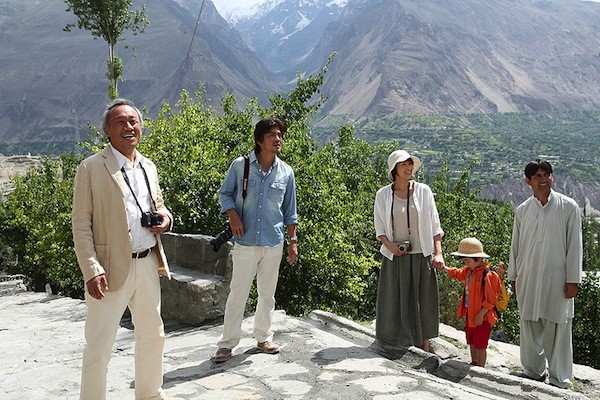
pixel 407 301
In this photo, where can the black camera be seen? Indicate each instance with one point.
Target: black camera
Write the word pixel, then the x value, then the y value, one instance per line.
pixel 405 245
pixel 150 218
pixel 221 238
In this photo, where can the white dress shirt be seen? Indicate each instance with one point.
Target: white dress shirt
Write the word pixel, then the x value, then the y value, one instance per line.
pixel 141 238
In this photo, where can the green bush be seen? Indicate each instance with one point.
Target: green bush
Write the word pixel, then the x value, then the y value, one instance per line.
pixel 586 337
pixel 463 215
pixel 336 185
pixel 36 227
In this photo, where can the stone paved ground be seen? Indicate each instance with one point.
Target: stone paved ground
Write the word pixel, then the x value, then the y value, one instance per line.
pixel 322 357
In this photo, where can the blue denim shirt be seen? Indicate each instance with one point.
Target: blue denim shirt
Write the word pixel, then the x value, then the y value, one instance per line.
pixel 270 201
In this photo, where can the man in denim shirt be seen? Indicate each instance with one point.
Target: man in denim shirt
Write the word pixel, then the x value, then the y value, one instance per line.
pixel 257 223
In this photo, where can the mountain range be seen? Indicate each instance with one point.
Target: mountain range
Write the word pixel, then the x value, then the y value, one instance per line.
pixel 460 56
pixel 53 82
pixel 286 32
pixel 393 57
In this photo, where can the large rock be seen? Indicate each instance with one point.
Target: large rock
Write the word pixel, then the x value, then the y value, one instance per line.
pixel 199 284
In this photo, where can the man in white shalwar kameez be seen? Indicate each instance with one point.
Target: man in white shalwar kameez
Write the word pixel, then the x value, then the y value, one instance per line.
pixel 545 270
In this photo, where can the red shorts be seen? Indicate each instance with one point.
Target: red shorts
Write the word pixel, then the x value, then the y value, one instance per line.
pixel 479 336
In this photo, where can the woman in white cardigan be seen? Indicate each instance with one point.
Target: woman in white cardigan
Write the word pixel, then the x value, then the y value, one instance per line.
pixel 407 292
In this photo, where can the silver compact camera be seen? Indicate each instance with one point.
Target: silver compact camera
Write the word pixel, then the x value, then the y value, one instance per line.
pixel 405 246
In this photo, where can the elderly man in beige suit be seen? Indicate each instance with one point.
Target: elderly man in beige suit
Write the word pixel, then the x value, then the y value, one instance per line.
pixel 118 216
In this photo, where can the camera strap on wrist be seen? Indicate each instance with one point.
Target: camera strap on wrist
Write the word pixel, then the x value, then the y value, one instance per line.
pixel 133 193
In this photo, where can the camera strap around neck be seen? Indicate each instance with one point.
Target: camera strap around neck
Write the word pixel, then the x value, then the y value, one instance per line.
pixel 131 189
pixel 407 208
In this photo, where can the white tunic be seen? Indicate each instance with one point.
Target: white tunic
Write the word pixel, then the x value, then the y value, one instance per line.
pixel 546 252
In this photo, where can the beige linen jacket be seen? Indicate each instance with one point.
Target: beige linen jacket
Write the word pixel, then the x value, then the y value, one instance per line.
pixel 99 219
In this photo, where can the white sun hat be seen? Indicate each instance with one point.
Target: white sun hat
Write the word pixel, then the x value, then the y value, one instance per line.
pixel 399 156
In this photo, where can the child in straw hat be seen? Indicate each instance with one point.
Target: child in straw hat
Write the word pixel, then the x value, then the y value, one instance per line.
pixel 478 300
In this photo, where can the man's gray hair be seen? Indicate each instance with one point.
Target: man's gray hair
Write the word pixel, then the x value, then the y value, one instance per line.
pixel 116 103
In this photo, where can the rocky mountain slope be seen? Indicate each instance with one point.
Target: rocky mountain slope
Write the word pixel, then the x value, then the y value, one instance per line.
pixel 462 56
pixel 467 56
pixel 53 82
pixel 394 57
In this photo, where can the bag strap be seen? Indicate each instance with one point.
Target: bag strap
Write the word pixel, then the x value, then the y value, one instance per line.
pixel 245 182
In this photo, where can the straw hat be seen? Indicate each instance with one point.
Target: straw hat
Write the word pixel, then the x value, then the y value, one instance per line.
pixel 470 247
pixel 399 156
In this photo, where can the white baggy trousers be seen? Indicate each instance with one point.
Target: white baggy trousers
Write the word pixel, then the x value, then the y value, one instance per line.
pixel 248 262
pixel 546 343
pixel 141 292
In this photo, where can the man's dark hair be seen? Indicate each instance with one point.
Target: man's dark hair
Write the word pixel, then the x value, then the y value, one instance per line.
pixel 534 166
pixel 116 103
pixel 263 126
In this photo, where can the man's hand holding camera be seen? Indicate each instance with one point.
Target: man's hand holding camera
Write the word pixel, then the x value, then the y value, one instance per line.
pixel 163 227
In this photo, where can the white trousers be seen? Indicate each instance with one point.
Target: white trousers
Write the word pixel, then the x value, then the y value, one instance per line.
pixel 248 262
pixel 141 292
pixel 544 342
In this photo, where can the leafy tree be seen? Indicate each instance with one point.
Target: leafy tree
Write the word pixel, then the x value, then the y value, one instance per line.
pixel 36 226
pixel 463 215
pixel 586 337
pixel 591 243
pixel 107 19
pixel 336 243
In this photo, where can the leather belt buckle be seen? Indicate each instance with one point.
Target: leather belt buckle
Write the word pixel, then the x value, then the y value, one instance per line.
pixel 141 254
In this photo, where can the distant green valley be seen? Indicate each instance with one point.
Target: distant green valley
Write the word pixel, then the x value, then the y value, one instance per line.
pixel 501 143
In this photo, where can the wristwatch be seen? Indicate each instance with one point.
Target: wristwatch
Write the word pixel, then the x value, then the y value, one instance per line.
pixel 294 238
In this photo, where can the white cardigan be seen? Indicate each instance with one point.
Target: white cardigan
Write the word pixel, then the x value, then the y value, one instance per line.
pixel 429 220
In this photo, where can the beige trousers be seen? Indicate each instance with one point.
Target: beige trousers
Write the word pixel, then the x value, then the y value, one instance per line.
pixel 248 262
pixel 141 292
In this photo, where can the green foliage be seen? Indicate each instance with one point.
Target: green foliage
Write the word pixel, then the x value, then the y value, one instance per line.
pixel 586 337
pixel 591 242
pixel 193 146
pixel 114 71
pixel 463 215
pixel 336 188
pixel 36 227
pixel 107 19
pixel 336 243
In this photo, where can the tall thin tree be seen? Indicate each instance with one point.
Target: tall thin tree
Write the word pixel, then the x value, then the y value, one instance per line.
pixel 107 19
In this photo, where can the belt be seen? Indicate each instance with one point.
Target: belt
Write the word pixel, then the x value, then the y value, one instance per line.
pixel 141 254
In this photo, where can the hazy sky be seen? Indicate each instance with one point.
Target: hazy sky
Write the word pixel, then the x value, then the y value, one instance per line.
pixel 225 5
